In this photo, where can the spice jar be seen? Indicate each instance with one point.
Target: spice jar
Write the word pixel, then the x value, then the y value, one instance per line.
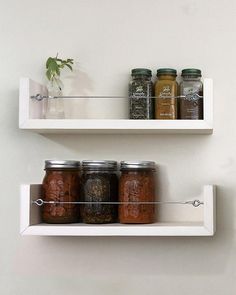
pixel 141 94
pixel 99 183
pixel 61 184
pixel 137 184
pixel 191 95
pixel 166 91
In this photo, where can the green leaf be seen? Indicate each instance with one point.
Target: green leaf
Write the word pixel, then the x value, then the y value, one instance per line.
pixel 55 64
pixel 48 74
pixel 58 71
pixel 48 62
pixel 70 67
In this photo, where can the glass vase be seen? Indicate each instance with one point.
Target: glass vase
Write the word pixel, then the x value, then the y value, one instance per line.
pixel 54 105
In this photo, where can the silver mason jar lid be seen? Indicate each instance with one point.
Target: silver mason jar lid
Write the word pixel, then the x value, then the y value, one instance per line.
pixel 65 164
pixel 137 165
pixel 99 164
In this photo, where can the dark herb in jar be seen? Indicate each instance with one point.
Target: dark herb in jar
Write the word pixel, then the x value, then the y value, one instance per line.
pixel 141 94
pixel 99 183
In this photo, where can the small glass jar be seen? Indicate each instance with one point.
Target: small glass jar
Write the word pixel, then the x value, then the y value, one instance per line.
pixel 54 103
pixel 191 95
pixel 166 91
pixel 141 94
pixel 99 183
pixel 137 184
pixel 61 184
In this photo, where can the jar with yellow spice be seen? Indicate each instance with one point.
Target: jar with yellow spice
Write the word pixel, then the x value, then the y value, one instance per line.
pixel 166 91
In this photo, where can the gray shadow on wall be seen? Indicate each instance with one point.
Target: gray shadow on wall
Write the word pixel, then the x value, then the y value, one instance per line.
pixel 80 82
pixel 146 256
pixel 127 143
pixel 181 256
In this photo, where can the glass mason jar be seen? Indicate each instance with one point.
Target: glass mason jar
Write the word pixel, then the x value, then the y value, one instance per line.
pixel 137 184
pixel 54 104
pixel 166 91
pixel 191 95
pixel 61 184
pixel 141 99
pixel 99 183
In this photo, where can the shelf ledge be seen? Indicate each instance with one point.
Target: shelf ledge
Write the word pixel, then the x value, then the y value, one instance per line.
pixel 31 221
pixel 30 114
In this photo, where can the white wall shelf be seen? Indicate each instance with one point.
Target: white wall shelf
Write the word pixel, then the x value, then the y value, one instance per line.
pixel 30 223
pixel 30 113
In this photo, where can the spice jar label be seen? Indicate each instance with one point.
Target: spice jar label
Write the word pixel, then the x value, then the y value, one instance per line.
pixel 191 94
pixel 166 92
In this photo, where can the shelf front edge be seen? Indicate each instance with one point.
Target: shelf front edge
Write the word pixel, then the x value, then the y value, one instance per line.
pixel 117 126
pixel 157 230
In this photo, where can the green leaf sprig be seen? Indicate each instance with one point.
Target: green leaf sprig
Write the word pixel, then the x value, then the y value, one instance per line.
pixel 54 65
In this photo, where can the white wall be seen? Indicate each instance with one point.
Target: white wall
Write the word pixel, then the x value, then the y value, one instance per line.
pixel 108 38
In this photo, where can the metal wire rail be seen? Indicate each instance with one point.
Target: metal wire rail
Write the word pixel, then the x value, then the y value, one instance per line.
pixel 194 203
pixel 40 97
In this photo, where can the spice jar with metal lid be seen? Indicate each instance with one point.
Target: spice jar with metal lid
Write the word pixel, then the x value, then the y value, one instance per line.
pixel 99 183
pixel 191 95
pixel 61 184
pixel 137 184
pixel 166 91
pixel 141 94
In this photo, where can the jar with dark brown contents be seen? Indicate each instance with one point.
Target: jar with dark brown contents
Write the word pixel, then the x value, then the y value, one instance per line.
pixel 137 184
pixel 99 183
pixel 191 95
pixel 61 184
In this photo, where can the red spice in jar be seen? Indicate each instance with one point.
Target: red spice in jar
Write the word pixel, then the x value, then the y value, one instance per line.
pixel 61 184
pixel 137 184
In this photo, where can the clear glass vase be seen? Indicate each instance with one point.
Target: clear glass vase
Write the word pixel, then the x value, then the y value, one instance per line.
pixel 54 105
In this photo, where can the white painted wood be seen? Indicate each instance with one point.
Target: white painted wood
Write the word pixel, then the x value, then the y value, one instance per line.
pixel 210 208
pixel 29 215
pixel 156 229
pixel 31 223
pixel 208 101
pixel 30 122
pixel 24 207
pixel 29 108
pixel 119 126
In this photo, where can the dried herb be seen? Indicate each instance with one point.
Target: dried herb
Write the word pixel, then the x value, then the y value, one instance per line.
pixel 191 95
pixel 166 90
pixel 141 95
pixel 99 187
